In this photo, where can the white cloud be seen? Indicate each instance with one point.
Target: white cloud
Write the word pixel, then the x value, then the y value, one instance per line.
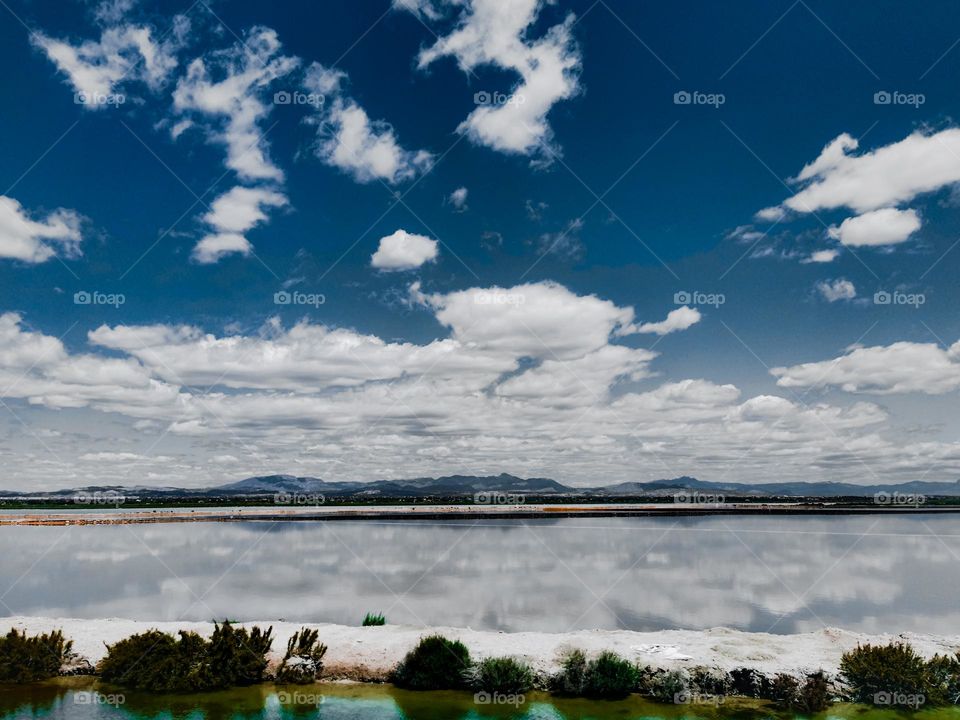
pixel 839 289
pixel 902 367
pixel 230 216
pixel 235 103
pixel 528 379
pixel 679 319
pixel 125 53
pixel 214 247
pixel 349 140
pixel 37 240
pixel 496 33
pixel 821 256
pixel 241 208
pixel 888 176
pixel 887 226
pixel 537 320
pixel 458 199
pixel 404 251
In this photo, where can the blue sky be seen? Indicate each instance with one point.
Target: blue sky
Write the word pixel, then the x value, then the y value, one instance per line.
pixel 597 241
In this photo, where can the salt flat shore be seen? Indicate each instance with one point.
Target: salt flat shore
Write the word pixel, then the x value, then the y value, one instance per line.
pixel 466 511
pixel 370 653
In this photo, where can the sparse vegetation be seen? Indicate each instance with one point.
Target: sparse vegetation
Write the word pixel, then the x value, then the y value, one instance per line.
pixel 161 662
pixel 606 676
pixel 436 663
pixel 374 620
pixel 502 675
pixel 810 696
pixel 303 661
pixel 26 658
pixel 876 672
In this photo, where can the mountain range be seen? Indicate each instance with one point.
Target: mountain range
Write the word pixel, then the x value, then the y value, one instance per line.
pixel 465 485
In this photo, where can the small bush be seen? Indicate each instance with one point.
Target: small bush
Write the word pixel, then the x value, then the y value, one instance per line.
pixel 436 663
pixel 943 680
pixel 875 672
pixel 160 662
pixel 666 686
pixel 572 678
pixel 610 676
pixel 371 620
pixel 810 696
pixel 303 661
pixel 705 681
pixel 748 682
pixel 27 659
pixel 606 676
pixel 502 675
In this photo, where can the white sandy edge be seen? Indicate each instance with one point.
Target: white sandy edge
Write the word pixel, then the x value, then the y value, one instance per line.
pixel 370 653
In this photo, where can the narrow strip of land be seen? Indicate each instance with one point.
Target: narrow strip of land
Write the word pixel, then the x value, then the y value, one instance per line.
pixel 123 516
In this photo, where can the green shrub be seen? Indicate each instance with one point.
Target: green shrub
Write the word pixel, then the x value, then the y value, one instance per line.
pixel 748 682
pixel 810 696
pixel 502 675
pixel 303 661
pixel 436 663
pixel 943 680
pixel 666 686
pixel 160 662
pixel 371 620
pixel 38 657
pixel 606 676
pixel 875 673
pixel 572 678
pixel 610 676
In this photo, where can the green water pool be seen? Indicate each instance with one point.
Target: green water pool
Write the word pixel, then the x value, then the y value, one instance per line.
pixel 83 698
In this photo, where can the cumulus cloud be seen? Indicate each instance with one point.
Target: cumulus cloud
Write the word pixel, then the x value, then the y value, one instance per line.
pixel 887 226
pixel 231 215
pixel 528 378
pixel 498 34
pixel 404 251
pixel 233 106
pixel 821 256
pixel 902 367
pixel 887 176
pixel 458 199
pixel 124 53
pixel 834 290
pixel 37 240
pixel 676 320
pixel 348 139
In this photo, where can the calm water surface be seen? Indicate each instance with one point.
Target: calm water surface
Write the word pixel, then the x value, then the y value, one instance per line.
pixel 75 699
pixel 778 574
